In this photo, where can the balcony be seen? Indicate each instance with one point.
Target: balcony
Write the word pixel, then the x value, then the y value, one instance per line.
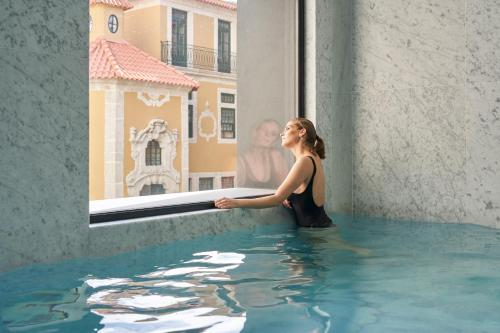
pixel 198 57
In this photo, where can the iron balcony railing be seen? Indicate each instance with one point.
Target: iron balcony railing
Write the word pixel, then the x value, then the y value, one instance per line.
pixel 198 57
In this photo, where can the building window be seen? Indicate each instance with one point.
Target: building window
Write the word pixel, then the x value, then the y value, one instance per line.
pixel 227 98
pixel 224 47
pixel 153 153
pixel 192 115
pixel 227 115
pixel 206 183
pixel 113 23
pixel 190 121
pixel 227 182
pixel 152 189
pixel 190 184
pixel 179 37
pixel 227 123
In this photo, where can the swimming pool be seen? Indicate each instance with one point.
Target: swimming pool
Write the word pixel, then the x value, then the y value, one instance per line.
pixel 365 276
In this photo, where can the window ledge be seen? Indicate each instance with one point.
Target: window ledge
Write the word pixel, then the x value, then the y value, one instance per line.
pixel 164 204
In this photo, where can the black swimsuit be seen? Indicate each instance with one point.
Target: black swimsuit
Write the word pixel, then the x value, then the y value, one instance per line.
pixel 307 213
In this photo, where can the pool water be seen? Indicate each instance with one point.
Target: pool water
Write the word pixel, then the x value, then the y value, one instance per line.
pixel 366 275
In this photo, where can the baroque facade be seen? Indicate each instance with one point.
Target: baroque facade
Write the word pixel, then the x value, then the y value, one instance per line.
pixel 162 97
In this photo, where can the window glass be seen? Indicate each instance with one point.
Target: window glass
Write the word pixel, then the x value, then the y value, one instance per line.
pixel 153 153
pixel 206 183
pixel 190 121
pixel 227 182
pixel 224 47
pixel 227 98
pixel 201 125
pixel 113 23
pixel 152 189
pixel 179 37
pixel 227 123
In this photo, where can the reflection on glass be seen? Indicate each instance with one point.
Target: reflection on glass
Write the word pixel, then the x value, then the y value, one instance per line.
pixel 262 164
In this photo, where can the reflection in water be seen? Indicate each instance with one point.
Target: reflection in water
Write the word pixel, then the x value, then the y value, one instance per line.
pixel 44 308
pixel 262 164
pixel 191 299
pixel 281 277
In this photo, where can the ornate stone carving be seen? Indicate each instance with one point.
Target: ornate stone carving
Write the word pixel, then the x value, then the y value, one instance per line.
pixel 153 99
pixel 207 114
pixel 165 173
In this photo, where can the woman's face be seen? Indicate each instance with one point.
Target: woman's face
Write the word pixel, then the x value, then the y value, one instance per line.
pixel 290 135
pixel 267 134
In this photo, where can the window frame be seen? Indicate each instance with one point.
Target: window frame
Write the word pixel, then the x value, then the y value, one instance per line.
pixel 110 17
pixel 220 106
pixel 121 214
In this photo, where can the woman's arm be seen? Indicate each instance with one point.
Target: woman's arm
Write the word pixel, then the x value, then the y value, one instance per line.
pixel 295 177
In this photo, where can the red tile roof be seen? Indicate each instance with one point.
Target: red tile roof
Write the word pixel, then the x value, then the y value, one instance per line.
pixel 121 60
pixel 221 3
pixel 124 4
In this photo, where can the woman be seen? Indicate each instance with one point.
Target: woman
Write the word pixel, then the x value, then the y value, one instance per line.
pixel 303 189
pixel 263 165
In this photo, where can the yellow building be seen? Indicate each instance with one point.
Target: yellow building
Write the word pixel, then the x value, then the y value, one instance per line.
pixel 162 96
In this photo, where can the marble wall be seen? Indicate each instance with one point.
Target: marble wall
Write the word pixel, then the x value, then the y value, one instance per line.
pixel 328 93
pixel 426 116
pixel 44 126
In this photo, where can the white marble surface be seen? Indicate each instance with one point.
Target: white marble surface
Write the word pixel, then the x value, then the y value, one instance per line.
pixel 483 154
pixel 150 201
pixel 331 92
pixel 405 43
pixel 425 95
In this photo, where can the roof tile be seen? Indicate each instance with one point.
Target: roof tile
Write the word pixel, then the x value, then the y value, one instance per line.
pixel 121 60
pixel 124 4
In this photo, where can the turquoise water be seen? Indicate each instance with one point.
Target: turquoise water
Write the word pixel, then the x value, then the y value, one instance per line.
pixel 365 276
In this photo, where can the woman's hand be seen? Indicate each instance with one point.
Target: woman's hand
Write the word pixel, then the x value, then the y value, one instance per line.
pixel 226 203
pixel 286 204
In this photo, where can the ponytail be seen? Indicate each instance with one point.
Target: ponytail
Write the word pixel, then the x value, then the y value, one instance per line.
pixel 319 147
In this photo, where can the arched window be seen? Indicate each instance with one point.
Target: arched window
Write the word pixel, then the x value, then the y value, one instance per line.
pixel 113 23
pixel 153 153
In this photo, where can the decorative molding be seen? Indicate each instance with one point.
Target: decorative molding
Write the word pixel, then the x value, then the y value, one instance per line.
pixel 207 114
pixel 153 99
pixel 165 173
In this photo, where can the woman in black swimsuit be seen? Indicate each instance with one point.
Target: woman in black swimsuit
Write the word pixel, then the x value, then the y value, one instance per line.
pixel 303 190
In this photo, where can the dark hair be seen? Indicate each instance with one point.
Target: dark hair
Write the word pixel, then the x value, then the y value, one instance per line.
pixel 312 140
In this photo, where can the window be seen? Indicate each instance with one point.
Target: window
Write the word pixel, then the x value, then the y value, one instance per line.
pixel 227 182
pixel 224 47
pixel 227 98
pixel 227 116
pixel 206 183
pixel 154 133
pixel 192 116
pixel 179 37
pixel 152 189
pixel 153 153
pixel 113 23
pixel 227 124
